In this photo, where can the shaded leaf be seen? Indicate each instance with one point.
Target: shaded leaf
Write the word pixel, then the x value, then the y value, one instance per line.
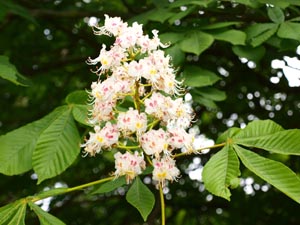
pixel 260 32
pixel 9 72
pixel 219 25
pixel 44 217
pixel 195 76
pixel 77 97
pixel 275 14
pixel 181 14
pixel 17 9
pixel 196 42
pixel 289 30
pixel 171 37
pixel 221 171
pixel 210 93
pixel 253 54
pixel 275 173
pixel 235 37
pixel 141 198
pixel 57 147
pixel 179 3
pixel 178 56
pixel 205 102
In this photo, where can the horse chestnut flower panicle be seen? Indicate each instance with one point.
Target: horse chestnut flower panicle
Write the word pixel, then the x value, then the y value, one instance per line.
pixel 135 103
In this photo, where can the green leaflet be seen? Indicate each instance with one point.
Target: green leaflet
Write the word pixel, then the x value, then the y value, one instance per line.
pixel 235 37
pixel 254 54
pixel 269 136
pixel 141 198
pixel 221 171
pixel 275 173
pixel 78 100
pixel 260 32
pixel 57 146
pixel 196 42
pixel 195 76
pixel 13 213
pixel 9 72
pixel 44 217
pixel 289 30
pixel 178 56
pixel 17 146
pixel 276 14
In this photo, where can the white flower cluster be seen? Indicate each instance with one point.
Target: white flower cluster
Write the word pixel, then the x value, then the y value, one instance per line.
pixel 135 104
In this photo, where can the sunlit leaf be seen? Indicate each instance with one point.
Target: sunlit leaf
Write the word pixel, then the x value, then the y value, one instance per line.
pixel 141 198
pixel 80 114
pixel 13 213
pixel 275 173
pixel 44 217
pixel 267 135
pixel 17 146
pixel 57 147
pixel 221 171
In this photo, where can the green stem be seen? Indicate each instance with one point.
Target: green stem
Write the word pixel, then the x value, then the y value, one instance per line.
pixel 199 150
pixel 162 205
pixel 60 191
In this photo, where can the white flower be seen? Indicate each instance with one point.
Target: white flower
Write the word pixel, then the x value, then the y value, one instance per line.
pixel 164 169
pixel 129 165
pixel 154 142
pixel 132 121
pixel 102 139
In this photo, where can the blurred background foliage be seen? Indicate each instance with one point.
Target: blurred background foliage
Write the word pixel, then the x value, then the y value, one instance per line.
pixel 251 49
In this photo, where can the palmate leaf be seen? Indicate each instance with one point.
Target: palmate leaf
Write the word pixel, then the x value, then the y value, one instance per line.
pixel 221 172
pixel 141 198
pixel 275 173
pixel 17 146
pixel 269 136
pixel 44 217
pixel 57 146
pixel 14 213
